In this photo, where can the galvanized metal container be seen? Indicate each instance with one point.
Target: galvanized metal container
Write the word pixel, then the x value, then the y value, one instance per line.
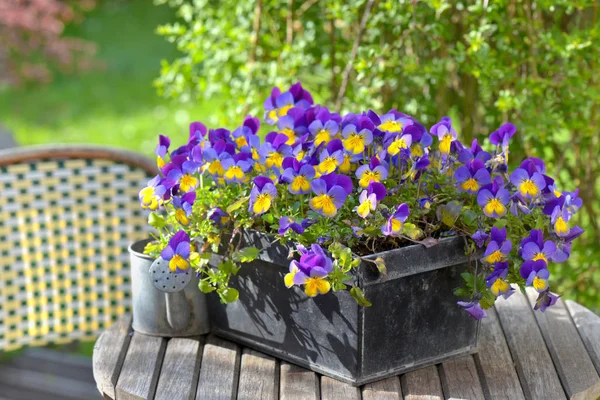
pixel 175 314
pixel 414 320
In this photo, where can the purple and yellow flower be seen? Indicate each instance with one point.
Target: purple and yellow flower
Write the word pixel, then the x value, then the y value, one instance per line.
pixel 287 223
pixel 177 252
pixel 274 150
pixel 235 171
pixel 534 250
pixel 323 133
pixel 559 220
pixel 394 142
pixel 278 104
pixel 498 248
pixel 218 216
pixel 480 237
pixel 197 130
pixel 311 271
pixel 368 199
pixel 473 308
pixel 493 199
pixel 162 148
pixel 501 137
pixel 545 300
pixel 292 125
pixel 183 207
pixel 393 121
pixel 445 133
pixel 182 171
pixel 356 141
pixel 563 247
pixel 538 276
pixel 497 282
pixel 331 157
pixel 372 172
pixel 329 196
pixel 471 177
pixel 297 175
pixel 395 222
pixel 262 195
pixel 151 197
pixel 529 185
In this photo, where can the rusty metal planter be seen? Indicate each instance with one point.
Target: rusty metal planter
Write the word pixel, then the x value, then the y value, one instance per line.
pixel 414 320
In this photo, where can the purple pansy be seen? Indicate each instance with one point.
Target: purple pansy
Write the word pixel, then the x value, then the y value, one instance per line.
pixel 372 172
pixel 471 177
pixel 311 270
pixel 177 252
pixel 287 223
pixel 262 195
pixel 395 222
pixel 545 299
pixel 297 175
pixel 183 207
pixel 329 196
pixel 493 199
pixel 474 309
pixel 480 237
pixel 529 185
pixel 498 248
pixel 497 283
pixel 445 133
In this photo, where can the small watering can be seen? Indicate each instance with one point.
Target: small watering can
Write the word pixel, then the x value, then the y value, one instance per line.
pixel 165 303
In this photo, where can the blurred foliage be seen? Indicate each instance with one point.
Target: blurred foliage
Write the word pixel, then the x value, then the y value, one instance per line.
pixel 32 43
pixel 532 62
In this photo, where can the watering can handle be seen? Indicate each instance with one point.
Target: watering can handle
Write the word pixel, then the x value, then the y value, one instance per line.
pixel 178 310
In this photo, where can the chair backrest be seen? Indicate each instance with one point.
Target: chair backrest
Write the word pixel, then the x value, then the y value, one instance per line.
pixel 67 217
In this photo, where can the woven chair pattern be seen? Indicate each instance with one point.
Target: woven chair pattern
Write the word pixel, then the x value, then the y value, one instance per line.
pixel 65 226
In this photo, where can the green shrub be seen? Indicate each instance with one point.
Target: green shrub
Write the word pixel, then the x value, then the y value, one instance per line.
pixel 534 63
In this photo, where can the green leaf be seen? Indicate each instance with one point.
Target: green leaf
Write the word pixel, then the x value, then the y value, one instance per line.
pixel 380 264
pixel 157 221
pixel 229 295
pixel 226 267
pixel 152 247
pixel 412 231
pixel 359 296
pixel 205 287
pixel 245 255
pixel 239 203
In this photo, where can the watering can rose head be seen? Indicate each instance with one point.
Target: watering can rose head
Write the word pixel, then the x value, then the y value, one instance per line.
pixel 346 186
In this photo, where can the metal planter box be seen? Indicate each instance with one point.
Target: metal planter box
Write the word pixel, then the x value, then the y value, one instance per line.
pixel 414 320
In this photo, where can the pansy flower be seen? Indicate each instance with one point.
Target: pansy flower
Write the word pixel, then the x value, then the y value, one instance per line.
pixel 218 216
pixel 235 171
pixel 372 172
pixel 473 308
pixel 395 142
pixel 498 248
pixel 177 252
pixel 298 175
pixel 545 300
pixel 493 199
pixel 536 275
pixel 329 196
pixel 393 121
pixel 445 133
pixel 471 177
pixel 162 148
pixel 563 247
pixel 278 104
pixel 213 161
pixel 425 202
pixel 274 150
pixel 395 222
pixel 355 141
pixel 559 220
pixel 501 137
pixel 262 195
pixel 151 196
pixel 287 223
pixel 331 157
pixel 475 152
pixel 323 133
pixel 532 251
pixel 183 207
pixel 197 130
pixel 480 237
pixel 497 283
pixel 182 171
pixel 311 271
pixel 529 185
pixel 292 125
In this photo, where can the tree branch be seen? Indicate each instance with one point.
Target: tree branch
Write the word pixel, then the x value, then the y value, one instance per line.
pixel 353 54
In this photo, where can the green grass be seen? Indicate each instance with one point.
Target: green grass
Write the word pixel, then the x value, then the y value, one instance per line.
pixel 115 106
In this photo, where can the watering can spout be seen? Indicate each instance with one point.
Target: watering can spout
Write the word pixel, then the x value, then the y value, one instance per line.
pixel 178 310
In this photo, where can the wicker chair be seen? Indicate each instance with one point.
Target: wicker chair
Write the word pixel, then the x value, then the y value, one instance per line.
pixel 67 216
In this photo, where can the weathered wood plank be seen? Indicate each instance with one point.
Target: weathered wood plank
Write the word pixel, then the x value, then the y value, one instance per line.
pixel 588 325
pixel 332 389
pixel 572 362
pixel 219 370
pixel 141 367
pixel 298 383
pixel 460 380
pixel 537 375
pixel 386 389
pixel 259 376
pixel 180 369
pixel 499 378
pixel 109 354
pixel 422 384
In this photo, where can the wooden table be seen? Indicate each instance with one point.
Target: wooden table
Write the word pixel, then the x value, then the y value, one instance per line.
pixel 521 354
